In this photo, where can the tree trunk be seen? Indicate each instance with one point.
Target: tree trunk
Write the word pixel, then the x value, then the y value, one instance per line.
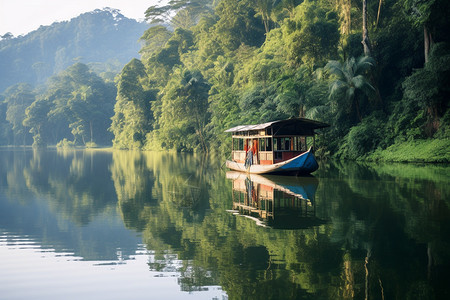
pixel 366 267
pixel 379 11
pixel 365 37
pixel 302 111
pixel 92 133
pixel 428 41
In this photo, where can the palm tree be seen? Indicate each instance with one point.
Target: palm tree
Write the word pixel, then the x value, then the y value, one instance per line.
pixel 350 77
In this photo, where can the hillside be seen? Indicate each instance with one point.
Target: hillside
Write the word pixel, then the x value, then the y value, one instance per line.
pixel 100 36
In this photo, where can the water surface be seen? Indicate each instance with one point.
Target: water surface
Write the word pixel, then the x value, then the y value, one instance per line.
pixel 124 225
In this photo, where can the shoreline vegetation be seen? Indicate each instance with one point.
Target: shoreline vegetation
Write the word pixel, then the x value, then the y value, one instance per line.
pixel 377 72
pixel 415 151
pixel 411 152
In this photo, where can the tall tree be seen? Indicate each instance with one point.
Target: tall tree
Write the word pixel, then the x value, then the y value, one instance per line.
pixel 37 120
pixel 154 40
pixel 132 118
pixel 179 13
pixel 18 98
pixel 184 111
pixel 349 79
pixel 264 9
pixel 82 105
pixel 365 31
pixel 238 25
pixel 312 36
pixel 432 17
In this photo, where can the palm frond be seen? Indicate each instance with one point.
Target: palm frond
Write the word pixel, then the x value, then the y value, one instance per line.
pixel 350 93
pixel 337 87
pixel 363 64
pixel 360 82
pixel 334 67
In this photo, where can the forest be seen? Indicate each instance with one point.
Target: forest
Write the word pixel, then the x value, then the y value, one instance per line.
pixel 377 71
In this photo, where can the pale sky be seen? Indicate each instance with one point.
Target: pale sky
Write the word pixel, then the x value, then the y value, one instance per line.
pixel 22 16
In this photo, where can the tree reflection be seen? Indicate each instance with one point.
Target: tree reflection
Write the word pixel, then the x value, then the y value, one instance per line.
pixel 361 231
pixel 62 198
pixel 365 237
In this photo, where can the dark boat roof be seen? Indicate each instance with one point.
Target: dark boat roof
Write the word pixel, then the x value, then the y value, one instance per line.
pixel 297 122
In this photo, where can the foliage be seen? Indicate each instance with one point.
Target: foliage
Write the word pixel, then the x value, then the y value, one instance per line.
pixel 363 138
pixel 36 119
pixel 17 99
pixel 132 116
pixel 427 151
pixel 311 36
pixel 82 103
pixel 429 87
pixel 184 111
pixel 348 81
pixel 77 104
pixel 209 65
pixel 65 144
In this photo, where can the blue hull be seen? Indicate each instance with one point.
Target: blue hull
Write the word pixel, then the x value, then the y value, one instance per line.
pixel 304 163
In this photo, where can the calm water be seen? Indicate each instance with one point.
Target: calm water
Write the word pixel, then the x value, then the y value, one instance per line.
pixel 130 225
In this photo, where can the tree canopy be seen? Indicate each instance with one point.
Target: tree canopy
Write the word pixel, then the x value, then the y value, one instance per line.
pixel 209 65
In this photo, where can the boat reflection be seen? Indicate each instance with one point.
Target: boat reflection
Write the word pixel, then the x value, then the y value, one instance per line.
pixel 278 202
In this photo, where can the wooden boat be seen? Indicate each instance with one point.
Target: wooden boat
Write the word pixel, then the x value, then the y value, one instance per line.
pixel 283 147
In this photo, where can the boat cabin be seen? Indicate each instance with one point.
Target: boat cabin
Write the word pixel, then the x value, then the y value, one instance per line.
pixel 274 142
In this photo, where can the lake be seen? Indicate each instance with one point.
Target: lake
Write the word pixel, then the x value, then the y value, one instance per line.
pixel 92 224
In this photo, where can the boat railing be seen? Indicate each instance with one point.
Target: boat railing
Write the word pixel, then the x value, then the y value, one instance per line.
pixel 239 155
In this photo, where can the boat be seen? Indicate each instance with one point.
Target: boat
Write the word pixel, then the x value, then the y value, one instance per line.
pixel 274 201
pixel 277 147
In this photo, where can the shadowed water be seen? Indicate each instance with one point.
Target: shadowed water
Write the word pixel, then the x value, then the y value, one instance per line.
pixel 124 225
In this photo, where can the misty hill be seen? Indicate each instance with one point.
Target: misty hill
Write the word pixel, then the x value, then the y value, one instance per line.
pixel 103 37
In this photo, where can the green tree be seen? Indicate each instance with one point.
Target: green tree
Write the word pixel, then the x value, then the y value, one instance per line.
pixel 432 16
pixel 37 120
pixel 132 118
pixel 184 111
pixel 17 99
pixel 154 40
pixel 179 13
pixel 180 43
pixel 92 107
pixel 5 126
pixel 312 36
pixel 348 81
pixel 264 9
pixel 237 25
pixel 82 105
pixel 429 89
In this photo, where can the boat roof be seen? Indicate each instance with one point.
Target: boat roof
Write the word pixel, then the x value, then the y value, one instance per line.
pixel 306 123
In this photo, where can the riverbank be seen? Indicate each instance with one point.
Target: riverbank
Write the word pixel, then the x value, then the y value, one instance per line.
pixel 427 151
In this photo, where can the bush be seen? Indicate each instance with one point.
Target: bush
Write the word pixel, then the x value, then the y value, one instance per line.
pixel 91 145
pixel 65 144
pixel 363 138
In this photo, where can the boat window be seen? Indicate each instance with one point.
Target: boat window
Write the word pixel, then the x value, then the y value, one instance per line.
pixel 268 144
pixel 262 144
pixel 278 155
pixel 296 144
pixel 238 144
pixel 299 143
pixel 283 144
pixel 286 144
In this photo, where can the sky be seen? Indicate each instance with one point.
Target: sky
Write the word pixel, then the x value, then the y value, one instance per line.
pixel 22 16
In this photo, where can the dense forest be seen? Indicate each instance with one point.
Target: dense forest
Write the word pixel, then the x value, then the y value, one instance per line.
pixel 377 71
